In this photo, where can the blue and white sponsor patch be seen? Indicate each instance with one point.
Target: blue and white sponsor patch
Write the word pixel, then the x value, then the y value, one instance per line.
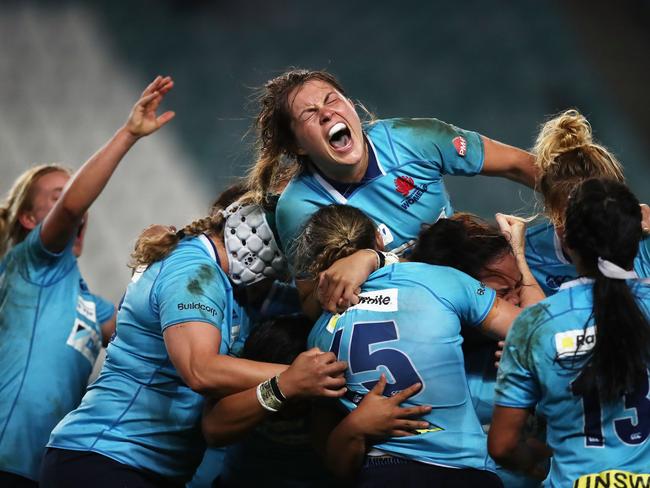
pixel 578 341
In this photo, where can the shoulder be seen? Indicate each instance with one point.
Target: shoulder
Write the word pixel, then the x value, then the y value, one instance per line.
pixel 191 259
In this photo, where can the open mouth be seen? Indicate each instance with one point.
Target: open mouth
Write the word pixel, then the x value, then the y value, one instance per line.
pixel 339 135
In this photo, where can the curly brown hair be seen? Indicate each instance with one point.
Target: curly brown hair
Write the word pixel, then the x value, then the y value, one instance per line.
pixel 275 146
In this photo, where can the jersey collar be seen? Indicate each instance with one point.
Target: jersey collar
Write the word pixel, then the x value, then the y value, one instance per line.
pixel 559 253
pixel 375 169
pixel 210 247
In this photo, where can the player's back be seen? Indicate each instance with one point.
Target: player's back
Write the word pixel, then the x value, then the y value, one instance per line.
pixel 587 435
pixel 407 326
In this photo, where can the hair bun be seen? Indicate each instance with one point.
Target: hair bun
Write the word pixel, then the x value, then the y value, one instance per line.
pixel 564 132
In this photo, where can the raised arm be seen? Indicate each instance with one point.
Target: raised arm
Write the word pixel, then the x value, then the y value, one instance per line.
pixel 509 162
pixel 61 223
pixel 514 230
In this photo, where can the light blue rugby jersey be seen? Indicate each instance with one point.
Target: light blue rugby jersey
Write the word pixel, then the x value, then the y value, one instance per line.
pixel 139 411
pixel 551 267
pixel 49 339
pixel 412 156
pixel 586 436
pixel 407 325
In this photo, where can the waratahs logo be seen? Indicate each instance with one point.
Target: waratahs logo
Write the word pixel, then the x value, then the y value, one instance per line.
pixel 404 185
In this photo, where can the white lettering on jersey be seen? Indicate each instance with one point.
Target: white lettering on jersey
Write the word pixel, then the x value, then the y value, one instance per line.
pixel 85 339
pixel 386 234
pixel 378 301
pixel 87 308
pixel 579 341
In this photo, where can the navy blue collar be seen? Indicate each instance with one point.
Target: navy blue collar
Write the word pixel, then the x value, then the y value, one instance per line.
pixel 372 172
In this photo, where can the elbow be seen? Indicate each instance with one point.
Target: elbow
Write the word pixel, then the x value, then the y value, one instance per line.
pixel 198 382
pixel 500 451
pixel 70 210
pixel 208 381
pixel 213 435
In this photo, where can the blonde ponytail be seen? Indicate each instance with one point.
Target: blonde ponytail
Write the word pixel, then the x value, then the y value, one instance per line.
pixel 332 233
pixel 566 154
pixel 156 242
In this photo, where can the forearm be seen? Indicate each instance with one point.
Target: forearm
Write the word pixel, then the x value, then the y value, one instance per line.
pixel 531 292
pixel 89 181
pixel 522 458
pixel 81 191
pixel 223 375
pixel 232 417
pixel 508 162
pixel 346 449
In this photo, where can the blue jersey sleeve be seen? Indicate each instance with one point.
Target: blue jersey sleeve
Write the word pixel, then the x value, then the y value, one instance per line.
pixel 449 149
pixel 190 288
pixel 469 298
pixel 105 309
pixel 517 385
pixel 45 266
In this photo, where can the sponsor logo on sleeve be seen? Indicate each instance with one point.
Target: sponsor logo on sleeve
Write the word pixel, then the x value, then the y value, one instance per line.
pixel 461 145
pixel 197 306
pixel 481 289
pixel 87 308
pixel 378 301
pixel 579 341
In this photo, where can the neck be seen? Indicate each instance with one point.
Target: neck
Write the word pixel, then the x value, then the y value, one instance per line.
pixel 221 252
pixel 349 174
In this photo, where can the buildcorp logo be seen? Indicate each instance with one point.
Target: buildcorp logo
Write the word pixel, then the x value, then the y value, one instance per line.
pixel 405 186
pixel 197 306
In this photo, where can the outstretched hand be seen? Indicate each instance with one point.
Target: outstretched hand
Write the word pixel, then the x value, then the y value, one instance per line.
pixel 378 416
pixel 143 120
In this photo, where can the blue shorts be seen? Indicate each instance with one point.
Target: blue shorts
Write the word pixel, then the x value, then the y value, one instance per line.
pixel 394 471
pixel 62 468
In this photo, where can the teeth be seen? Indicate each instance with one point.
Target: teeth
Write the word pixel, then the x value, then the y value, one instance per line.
pixel 339 126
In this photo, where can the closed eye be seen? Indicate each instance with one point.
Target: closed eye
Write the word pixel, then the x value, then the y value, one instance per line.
pixel 307 114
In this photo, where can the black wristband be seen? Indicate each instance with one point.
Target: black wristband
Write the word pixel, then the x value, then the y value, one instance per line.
pixel 276 389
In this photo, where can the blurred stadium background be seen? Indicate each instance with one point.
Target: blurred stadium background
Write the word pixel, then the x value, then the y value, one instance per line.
pixel 72 69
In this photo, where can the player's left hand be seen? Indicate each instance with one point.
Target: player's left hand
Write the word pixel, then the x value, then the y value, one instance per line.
pixel 143 119
pixel 378 416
